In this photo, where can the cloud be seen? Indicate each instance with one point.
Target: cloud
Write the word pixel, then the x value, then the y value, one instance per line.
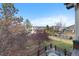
pixel 52 20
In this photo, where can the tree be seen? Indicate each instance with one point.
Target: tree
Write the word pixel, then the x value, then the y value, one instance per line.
pixel 8 10
pixel 28 25
pixel 59 26
pixel 47 27
pixel 58 30
pixel 48 30
pixel 10 41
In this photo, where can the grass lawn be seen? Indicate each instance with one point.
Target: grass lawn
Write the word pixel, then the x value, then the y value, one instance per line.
pixel 61 43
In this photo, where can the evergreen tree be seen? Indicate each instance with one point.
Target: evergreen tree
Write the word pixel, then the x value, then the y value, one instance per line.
pixel 28 25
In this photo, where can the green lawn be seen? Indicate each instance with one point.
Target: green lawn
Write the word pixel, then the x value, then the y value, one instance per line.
pixel 62 45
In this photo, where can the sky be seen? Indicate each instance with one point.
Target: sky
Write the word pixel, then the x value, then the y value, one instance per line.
pixel 42 14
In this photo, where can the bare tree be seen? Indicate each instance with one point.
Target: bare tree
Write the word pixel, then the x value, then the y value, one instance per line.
pixel 59 26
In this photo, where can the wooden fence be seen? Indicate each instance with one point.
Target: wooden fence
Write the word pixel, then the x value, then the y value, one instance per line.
pixel 39 51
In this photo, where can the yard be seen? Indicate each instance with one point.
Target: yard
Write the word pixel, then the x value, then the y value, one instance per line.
pixel 61 43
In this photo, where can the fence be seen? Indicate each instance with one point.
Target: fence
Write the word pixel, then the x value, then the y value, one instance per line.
pixel 39 51
pixel 32 52
pixel 62 52
pixel 42 51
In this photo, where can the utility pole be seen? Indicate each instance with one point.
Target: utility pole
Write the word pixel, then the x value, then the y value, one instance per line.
pixel 76 40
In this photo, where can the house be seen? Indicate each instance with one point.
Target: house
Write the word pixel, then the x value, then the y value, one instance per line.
pixel 36 29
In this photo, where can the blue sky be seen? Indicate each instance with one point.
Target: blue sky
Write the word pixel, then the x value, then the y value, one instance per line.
pixel 42 14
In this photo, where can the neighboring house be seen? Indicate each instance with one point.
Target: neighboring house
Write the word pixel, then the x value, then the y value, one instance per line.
pixel 37 28
pixel 66 32
pixel 70 31
pixel 57 28
pixel 71 28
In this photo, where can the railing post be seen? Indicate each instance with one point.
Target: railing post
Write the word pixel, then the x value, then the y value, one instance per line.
pixel 55 47
pixel 38 52
pixel 51 45
pixel 65 52
pixel 45 48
